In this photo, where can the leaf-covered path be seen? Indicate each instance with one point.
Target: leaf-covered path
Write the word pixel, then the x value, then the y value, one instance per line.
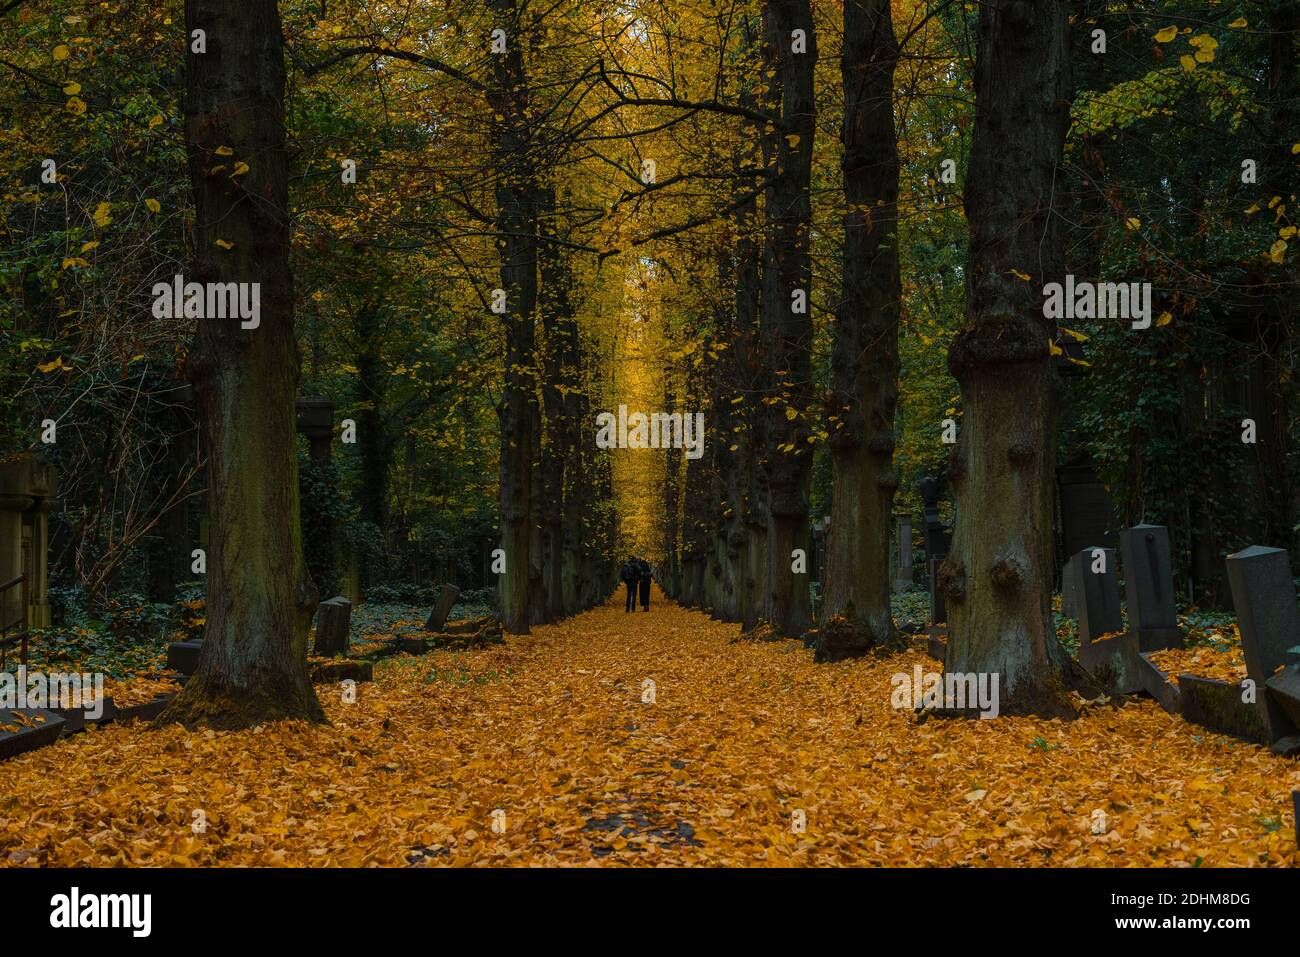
pixel 552 730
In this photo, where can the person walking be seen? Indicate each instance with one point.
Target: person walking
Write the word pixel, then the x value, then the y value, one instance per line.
pixel 645 576
pixel 630 575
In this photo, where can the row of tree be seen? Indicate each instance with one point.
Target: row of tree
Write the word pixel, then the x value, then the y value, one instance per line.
pixel 1037 206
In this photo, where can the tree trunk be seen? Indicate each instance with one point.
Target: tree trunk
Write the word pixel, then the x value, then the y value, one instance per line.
pixel 998 576
pixel 517 242
pixel 864 361
pixel 788 330
pixel 260 599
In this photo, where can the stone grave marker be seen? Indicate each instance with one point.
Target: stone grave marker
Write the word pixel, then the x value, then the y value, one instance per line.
pixel 1149 585
pixel 333 627
pixel 1263 595
pixel 446 601
pixel 1113 660
pixel 1069 597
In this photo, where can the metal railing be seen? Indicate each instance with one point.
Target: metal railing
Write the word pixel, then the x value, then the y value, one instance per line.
pixel 19 637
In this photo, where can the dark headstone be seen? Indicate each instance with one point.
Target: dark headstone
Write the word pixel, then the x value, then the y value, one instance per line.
pixel 413 645
pixel 333 627
pixel 1217 705
pixel 1263 594
pixel 183 656
pixel 938 606
pixel 1149 584
pixel 1096 594
pixel 1283 690
pixel 1157 684
pixel 903 573
pixel 1069 593
pixel 1110 655
pixel 26 729
pixel 446 601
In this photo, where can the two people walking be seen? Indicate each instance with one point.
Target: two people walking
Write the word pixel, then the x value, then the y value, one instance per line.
pixel 636 575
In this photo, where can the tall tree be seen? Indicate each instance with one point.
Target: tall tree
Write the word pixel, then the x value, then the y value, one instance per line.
pixel 516 225
pixel 791 53
pixel 864 360
pixel 998 576
pixel 253 666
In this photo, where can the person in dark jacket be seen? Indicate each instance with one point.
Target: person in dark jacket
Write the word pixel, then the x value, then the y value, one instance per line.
pixel 645 575
pixel 630 575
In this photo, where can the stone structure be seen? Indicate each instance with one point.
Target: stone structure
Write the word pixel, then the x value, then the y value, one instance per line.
pixel 28 487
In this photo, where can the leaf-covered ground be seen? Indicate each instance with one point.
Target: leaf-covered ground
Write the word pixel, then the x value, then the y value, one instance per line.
pixel 551 730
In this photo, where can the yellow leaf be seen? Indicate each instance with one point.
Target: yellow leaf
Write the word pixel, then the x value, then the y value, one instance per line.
pixel 1079 362
pixel 1167 34
pixel 1252 209
pixel 60 52
pixel 155 120
pixel 1164 319
pixel 87 247
pixel 1203 41
pixel 1238 23
pixel 1023 277
pixel 1054 349
pixel 240 169
pixel 153 205
pixel 791 414
pixel 1188 63
pixel 1278 251
pixel 225 151
pixel 1133 223
pixel 1295 148
pixel 73 88
pixel 102 217
pixel 225 245
pixel 1204 56
pixel 1286 233
pixel 76 106
pixel 1078 336
pixel 793 140
pixel 51 366
pixel 74 261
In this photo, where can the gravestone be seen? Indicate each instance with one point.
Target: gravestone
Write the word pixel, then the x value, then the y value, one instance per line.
pixel 183 656
pixel 903 573
pixel 333 627
pixel 446 601
pixel 1087 510
pixel 1263 594
pixel 1149 586
pixel 1069 593
pixel 1113 659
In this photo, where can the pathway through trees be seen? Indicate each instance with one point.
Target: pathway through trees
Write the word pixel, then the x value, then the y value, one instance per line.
pixel 741 742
